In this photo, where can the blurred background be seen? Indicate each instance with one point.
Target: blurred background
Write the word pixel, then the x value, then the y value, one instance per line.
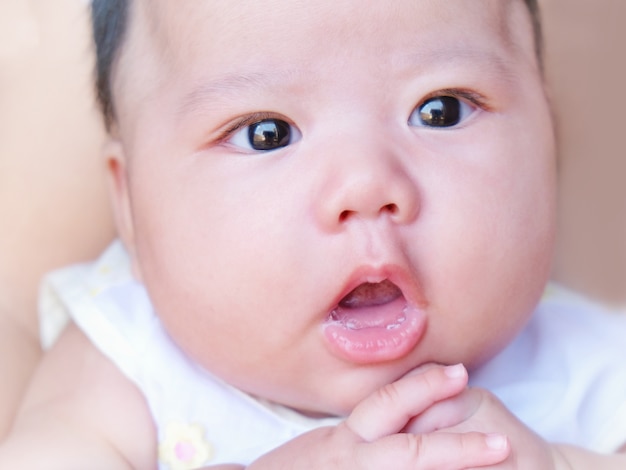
pixel 586 68
pixel 53 207
pixel 50 136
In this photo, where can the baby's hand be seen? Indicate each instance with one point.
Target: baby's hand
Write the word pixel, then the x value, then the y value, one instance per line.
pixel 373 436
pixel 478 410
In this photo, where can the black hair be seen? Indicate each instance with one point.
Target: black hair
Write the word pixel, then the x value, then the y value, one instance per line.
pixel 110 20
pixel 535 16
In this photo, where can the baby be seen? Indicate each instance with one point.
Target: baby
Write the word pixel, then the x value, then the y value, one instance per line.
pixel 329 213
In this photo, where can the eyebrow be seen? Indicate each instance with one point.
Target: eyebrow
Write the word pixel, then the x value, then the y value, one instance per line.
pixel 497 64
pixel 230 86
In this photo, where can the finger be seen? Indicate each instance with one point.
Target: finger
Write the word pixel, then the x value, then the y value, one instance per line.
pixel 437 451
pixel 389 409
pixel 445 413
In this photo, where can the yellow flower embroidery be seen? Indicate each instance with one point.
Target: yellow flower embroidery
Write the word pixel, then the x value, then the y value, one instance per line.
pixel 95 291
pixel 104 270
pixel 184 447
pixel 550 292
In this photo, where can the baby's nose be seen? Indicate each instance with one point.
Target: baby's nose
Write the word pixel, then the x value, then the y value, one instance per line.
pixel 368 182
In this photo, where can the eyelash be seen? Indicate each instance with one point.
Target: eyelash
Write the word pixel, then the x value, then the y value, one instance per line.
pixel 446 109
pixel 245 122
pixel 472 97
pixel 467 96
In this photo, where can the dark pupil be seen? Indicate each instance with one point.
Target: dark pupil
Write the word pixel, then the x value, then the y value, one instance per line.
pixel 443 111
pixel 269 134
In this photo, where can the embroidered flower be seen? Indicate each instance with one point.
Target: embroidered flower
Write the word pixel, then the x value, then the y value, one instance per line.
pixel 95 291
pixel 184 446
pixel 104 270
pixel 550 292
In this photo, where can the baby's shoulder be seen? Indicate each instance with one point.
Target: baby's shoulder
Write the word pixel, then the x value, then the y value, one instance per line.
pixel 78 396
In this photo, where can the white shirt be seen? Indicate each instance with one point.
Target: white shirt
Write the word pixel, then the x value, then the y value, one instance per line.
pixel 564 375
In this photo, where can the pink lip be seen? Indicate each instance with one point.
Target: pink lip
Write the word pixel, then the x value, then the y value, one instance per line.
pixel 379 333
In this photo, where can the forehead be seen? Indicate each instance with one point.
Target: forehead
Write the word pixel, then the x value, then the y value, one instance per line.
pixel 221 37
pixel 175 25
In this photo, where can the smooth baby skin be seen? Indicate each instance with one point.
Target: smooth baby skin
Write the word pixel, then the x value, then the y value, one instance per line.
pixel 83 413
pixel 248 254
pixel 276 172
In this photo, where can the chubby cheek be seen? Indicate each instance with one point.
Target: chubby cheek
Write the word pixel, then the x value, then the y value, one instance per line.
pixel 489 260
pixel 219 292
pixel 231 339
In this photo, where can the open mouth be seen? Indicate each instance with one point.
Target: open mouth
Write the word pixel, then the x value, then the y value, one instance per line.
pixel 374 322
pixel 357 309
pixel 370 294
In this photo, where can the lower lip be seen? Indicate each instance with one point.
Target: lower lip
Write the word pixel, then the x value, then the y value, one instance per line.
pixel 383 341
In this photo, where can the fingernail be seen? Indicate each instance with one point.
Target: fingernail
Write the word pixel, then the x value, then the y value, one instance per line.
pixel 455 372
pixel 496 441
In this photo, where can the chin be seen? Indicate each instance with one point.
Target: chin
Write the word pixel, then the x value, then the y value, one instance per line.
pixel 342 397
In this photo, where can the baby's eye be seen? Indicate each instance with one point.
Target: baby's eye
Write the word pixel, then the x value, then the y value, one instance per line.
pixel 265 135
pixel 441 111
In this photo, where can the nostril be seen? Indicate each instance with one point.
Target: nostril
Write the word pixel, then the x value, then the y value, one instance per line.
pixel 344 215
pixel 391 208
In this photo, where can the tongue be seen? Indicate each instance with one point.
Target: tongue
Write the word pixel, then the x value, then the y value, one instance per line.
pixel 371 294
pixel 374 323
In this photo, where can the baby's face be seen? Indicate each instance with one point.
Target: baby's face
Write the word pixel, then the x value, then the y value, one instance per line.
pixel 325 195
